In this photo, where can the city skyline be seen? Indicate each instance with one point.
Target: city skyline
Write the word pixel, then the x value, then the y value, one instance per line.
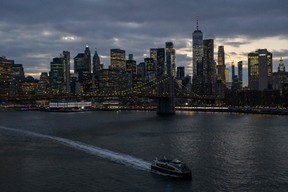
pixel 32 33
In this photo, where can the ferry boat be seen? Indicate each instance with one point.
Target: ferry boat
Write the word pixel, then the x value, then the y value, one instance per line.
pixel 173 168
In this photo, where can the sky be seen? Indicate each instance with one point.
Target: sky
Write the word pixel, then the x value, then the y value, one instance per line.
pixel 33 32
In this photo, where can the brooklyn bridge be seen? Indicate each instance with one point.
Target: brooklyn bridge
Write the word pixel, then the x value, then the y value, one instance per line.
pixel 164 91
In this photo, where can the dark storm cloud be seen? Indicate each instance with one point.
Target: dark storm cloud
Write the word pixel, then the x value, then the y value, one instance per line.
pixel 32 32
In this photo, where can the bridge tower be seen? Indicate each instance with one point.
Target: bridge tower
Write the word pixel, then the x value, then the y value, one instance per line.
pixel 166 105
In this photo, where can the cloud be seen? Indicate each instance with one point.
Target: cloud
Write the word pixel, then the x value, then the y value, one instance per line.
pixel 46 28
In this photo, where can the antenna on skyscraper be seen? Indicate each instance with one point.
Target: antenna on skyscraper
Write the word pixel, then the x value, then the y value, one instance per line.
pixel 197 22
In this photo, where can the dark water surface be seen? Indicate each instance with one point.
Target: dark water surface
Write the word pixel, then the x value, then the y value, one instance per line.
pixel 111 151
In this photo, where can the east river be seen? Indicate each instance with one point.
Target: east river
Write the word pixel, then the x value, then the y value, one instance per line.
pixel 112 151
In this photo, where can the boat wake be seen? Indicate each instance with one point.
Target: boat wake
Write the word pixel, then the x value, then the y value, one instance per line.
pixel 100 152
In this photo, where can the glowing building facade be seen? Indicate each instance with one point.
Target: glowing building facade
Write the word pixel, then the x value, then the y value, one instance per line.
pixel 259 69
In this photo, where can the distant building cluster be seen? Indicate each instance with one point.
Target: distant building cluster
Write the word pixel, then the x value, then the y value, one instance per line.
pixel 90 77
pixel 210 78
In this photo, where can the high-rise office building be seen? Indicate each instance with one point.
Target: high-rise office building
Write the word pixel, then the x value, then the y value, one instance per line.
pixel 197 38
pixel 281 66
pixel 28 86
pixel 170 59
pixel 180 72
pixel 118 59
pixel 208 64
pixel 259 69
pixel 5 75
pixel 82 62
pixel 150 69
pixel 97 67
pixel 79 65
pixel 153 54
pixel 82 66
pixel 17 76
pixel 131 65
pixel 18 70
pixel 221 64
pixel 66 59
pixel 221 55
pixel 87 59
pixel 43 84
pixel 226 75
pixel 141 69
pixel 240 73
pixel 56 75
pixel 158 54
pixel 235 85
pixel 233 71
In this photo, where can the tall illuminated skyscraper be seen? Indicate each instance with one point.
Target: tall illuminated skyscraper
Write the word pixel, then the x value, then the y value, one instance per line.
pixel 158 54
pixel 221 64
pixel 197 38
pixel 118 59
pixel 259 69
pixel 131 65
pixel 150 69
pixel 170 59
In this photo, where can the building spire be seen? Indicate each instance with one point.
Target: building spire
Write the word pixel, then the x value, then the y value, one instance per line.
pixel 197 23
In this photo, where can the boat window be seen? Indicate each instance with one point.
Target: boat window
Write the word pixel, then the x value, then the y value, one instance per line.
pixel 166 166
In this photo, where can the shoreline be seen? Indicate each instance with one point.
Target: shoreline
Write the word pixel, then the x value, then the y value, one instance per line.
pixel 246 110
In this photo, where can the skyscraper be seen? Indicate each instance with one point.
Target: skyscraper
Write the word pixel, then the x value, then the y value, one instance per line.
pixel 197 38
pixel 66 57
pixel 153 54
pixel 87 59
pixel 17 76
pixel 221 64
pixel 158 54
pixel 180 72
pixel 233 71
pixel 209 71
pixel 5 75
pixel 131 65
pixel 281 66
pixel 150 69
pixel 170 59
pixel 118 59
pixel 79 66
pixel 56 75
pixel 43 84
pixel 97 67
pixel 259 69
pixel 82 62
pixel 160 65
pixel 240 73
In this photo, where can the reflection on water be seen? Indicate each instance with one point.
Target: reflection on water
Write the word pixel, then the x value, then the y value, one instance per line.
pixel 226 152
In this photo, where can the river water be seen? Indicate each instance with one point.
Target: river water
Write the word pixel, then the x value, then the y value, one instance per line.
pixel 112 151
